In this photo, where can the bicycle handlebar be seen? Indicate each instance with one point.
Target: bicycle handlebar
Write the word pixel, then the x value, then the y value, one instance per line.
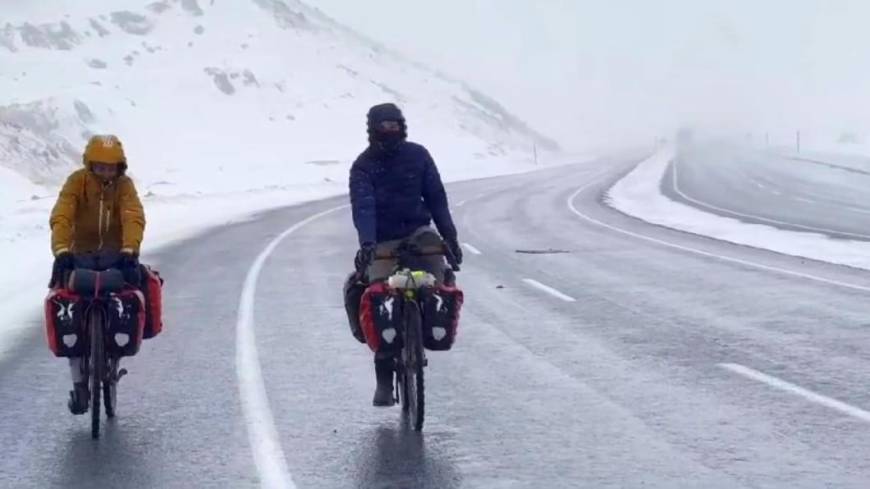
pixel 409 250
pixel 93 282
pixel 396 256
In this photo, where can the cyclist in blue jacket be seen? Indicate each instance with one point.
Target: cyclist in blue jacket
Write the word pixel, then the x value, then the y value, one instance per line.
pixel 396 193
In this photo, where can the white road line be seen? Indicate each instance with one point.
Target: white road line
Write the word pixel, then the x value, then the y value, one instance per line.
pixel 549 290
pixel 856 209
pixel 471 248
pixel 753 216
pixel 849 207
pixel 807 394
pixel 262 435
pixel 707 254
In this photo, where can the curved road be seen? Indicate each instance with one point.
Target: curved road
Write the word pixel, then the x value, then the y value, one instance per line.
pixel 640 357
pixel 764 188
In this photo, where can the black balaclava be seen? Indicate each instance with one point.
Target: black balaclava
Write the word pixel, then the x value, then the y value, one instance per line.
pixel 386 141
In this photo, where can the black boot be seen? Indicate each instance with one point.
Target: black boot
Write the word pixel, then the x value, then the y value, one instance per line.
pixel 384 390
pixel 78 398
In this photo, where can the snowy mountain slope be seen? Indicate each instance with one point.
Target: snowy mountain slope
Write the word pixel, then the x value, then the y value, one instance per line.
pixel 239 89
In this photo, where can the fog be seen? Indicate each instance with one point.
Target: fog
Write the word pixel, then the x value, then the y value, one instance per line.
pixel 627 71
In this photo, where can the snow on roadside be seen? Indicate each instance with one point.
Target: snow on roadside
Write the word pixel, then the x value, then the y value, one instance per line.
pixel 639 195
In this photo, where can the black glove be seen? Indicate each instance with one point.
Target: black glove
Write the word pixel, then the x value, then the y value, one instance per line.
pixel 63 263
pixel 129 266
pixel 455 249
pixel 364 257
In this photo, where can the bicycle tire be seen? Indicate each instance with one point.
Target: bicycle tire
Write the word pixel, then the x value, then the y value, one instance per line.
pixel 110 389
pixel 403 385
pixel 97 361
pixel 415 386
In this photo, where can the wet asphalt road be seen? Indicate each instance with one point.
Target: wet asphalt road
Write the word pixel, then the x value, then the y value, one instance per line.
pixel 786 192
pixel 617 383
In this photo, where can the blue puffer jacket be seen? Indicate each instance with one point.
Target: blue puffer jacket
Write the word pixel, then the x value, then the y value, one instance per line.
pixel 395 192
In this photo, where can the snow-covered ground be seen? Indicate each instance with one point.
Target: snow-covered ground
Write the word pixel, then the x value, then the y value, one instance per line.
pixel 639 194
pixel 225 108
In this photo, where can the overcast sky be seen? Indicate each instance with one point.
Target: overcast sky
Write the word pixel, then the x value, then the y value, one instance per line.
pixel 590 70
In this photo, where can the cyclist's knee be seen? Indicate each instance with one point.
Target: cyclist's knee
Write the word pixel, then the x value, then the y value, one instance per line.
pixel 426 236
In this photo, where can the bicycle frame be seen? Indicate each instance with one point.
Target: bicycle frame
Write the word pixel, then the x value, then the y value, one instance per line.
pixel 95 305
pixel 411 359
pixel 100 368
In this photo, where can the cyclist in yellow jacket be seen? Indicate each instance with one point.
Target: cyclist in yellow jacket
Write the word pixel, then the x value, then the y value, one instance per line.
pixel 98 211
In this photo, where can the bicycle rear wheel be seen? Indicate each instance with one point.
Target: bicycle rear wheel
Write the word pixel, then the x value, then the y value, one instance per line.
pixel 414 402
pixel 97 367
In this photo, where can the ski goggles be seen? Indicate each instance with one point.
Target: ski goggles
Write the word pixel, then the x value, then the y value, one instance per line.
pixel 388 126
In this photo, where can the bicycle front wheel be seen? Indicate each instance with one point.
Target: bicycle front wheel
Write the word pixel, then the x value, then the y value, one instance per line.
pixel 414 361
pixel 97 368
pixel 110 388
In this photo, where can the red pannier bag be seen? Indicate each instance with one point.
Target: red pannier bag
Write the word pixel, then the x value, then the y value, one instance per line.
pixel 153 289
pixel 381 318
pixel 64 323
pixel 126 322
pixel 441 306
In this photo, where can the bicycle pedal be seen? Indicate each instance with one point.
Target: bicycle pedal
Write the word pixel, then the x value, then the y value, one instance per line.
pixel 425 362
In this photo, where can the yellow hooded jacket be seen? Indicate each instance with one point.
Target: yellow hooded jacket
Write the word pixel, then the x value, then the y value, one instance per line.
pixel 92 215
